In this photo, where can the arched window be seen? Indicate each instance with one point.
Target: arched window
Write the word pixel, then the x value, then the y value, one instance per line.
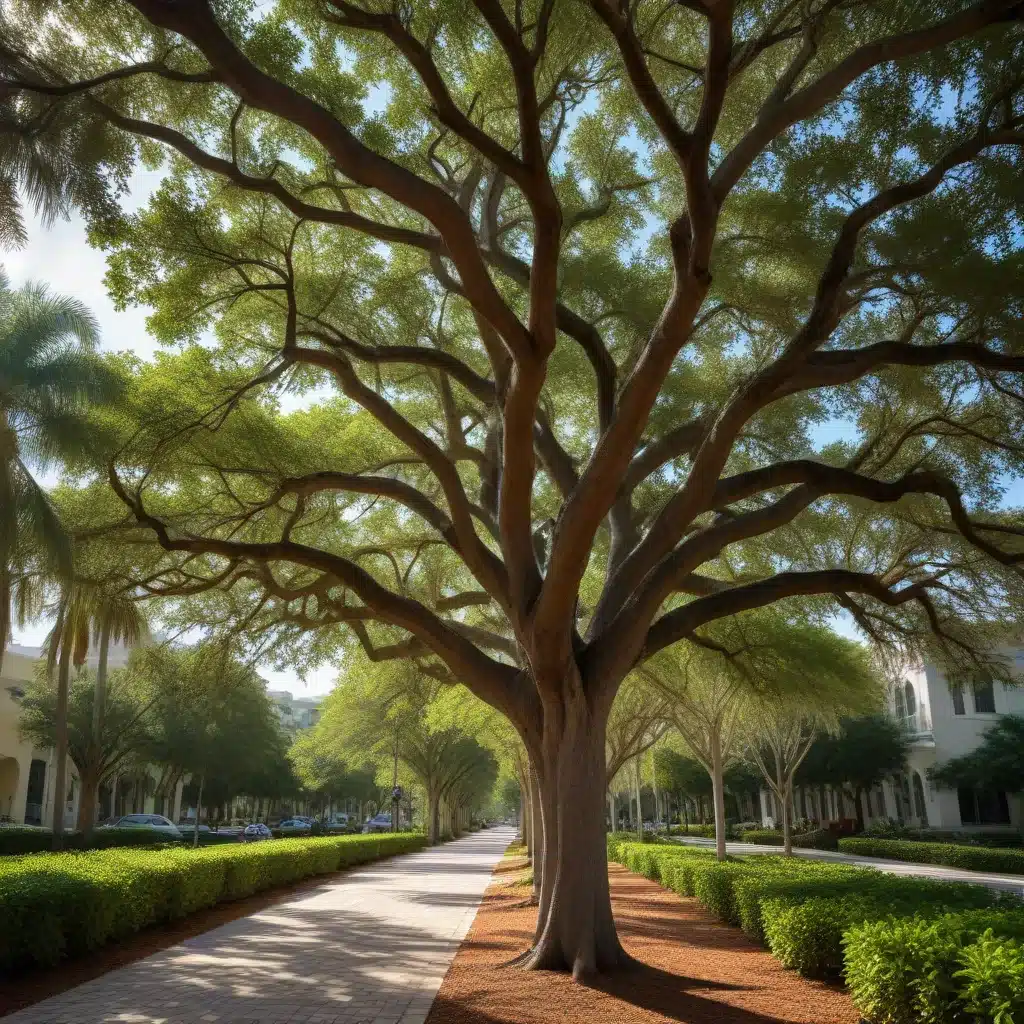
pixel 901 703
pixel 911 699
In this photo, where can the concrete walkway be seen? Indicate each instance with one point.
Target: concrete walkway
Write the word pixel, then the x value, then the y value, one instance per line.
pixel 369 947
pixel 1008 883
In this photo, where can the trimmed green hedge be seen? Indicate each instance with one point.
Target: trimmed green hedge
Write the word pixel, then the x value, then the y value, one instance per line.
pixel 973 858
pixel 703 831
pixel 954 967
pixel 801 910
pixel 819 839
pixel 60 905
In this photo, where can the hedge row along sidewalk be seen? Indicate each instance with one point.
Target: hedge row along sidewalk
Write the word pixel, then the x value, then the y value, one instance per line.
pixel 954 855
pixel 61 905
pixel 912 950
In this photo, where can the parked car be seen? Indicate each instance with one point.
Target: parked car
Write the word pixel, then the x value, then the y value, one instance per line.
pixel 294 826
pixel 378 823
pixel 255 833
pixel 154 822
pixel 186 828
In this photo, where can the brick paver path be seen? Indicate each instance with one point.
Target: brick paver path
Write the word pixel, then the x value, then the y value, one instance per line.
pixel 369 947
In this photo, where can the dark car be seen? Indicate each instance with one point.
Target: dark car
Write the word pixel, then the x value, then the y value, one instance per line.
pixel 255 833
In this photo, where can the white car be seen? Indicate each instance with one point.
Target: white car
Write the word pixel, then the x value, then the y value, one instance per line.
pixel 154 822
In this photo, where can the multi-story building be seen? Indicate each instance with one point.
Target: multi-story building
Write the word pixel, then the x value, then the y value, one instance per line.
pixel 26 771
pixel 943 721
pixel 295 713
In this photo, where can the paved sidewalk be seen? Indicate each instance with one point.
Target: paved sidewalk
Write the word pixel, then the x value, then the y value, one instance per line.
pixel 370 947
pixel 1007 883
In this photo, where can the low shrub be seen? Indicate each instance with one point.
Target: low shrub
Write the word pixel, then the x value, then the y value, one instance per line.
pixel 910 970
pixel 817 839
pixel 59 905
pixel 954 855
pixel 702 831
pixel 991 981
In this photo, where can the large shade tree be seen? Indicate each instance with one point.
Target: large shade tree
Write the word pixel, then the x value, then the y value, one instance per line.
pixel 568 287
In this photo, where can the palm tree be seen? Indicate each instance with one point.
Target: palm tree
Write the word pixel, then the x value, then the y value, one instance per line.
pixel 115 618
pixel 50 374
pixel 86 613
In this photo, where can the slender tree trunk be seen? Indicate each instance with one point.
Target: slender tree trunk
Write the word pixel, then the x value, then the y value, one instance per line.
pixel 858 795
pixel 654 789
pixel 575 927
pixel 433 815
pixel 88 802
pixel 90 794
pixel 639 806
pixel 783 793
pixel 60 769
pixel 611 812
pixel 199 811
pixel 718 792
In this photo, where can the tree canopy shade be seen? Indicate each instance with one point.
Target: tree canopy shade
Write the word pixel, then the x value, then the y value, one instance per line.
pixel 569 294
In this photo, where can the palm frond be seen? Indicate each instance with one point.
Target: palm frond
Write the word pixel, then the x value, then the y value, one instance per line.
pixel 39 524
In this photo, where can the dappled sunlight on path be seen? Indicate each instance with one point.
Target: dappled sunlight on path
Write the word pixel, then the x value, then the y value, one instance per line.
pixel 367 947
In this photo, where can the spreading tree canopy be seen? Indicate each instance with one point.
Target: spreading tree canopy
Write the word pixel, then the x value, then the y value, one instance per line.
pixel 561 294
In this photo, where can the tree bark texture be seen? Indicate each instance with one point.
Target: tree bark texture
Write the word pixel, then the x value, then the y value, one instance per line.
pixel 718 792
pixel 60 768
pixel 90 791
pixel 575 929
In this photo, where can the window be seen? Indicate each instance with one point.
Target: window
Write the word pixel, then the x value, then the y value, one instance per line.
pixel 901 704
pixel 957 693
pixel 911 700
pixel 984 697
pixel 983 807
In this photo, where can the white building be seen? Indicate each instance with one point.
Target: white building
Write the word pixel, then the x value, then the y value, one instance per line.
pixel 943 722
pixel 26 771
pixel 295 713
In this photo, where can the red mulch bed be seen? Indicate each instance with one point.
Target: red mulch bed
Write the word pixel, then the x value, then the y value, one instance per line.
pixel 694 970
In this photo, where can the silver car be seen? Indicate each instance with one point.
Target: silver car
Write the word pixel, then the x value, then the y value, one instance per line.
pixel 294 826
pixel 153 822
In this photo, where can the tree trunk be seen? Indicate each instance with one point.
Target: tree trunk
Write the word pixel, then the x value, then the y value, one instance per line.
pixel 87 803
pixel 433 815
pixel 611 812
pixel 858 795
pixel 575 927
pixel 60 769
pixel 90 794
pixel 718 792
pixel 783 793
pixel 639 806
pixel 199 811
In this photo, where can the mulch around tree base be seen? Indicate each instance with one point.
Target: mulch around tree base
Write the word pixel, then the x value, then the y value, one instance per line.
pixel 694 969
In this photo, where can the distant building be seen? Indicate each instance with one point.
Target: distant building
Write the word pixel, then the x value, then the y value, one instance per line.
pixel 295 713
pixel 943 722
pixel 26 771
